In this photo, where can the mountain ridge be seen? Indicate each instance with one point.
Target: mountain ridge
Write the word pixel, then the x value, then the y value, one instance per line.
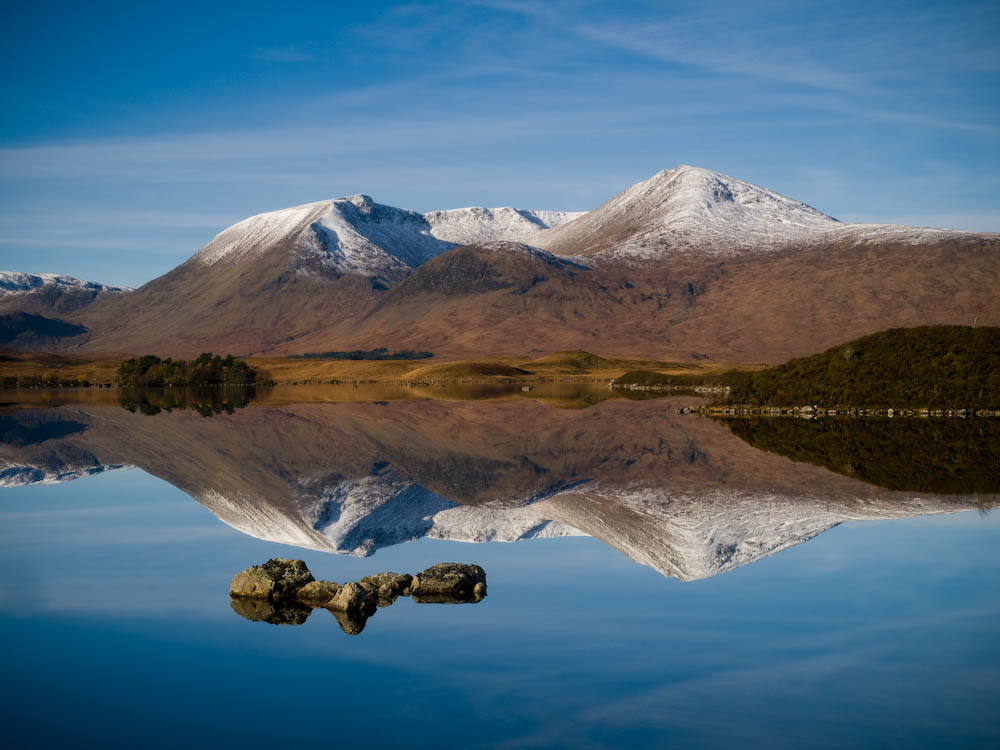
pixel 684 264
pixel 355 234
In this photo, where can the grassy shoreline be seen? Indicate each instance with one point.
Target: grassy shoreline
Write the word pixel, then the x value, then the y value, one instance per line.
pixel 569 367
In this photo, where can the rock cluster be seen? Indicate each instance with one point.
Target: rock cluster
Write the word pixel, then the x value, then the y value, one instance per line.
pixel 284 592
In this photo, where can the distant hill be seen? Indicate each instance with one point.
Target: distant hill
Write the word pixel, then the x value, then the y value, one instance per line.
pixel 928 366
pixel 51 295
pixel 20 329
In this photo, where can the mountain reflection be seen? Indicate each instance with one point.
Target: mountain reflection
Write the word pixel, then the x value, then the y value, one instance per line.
pixel 688 496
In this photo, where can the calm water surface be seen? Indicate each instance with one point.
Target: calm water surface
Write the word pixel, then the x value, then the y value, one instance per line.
pixel 668 581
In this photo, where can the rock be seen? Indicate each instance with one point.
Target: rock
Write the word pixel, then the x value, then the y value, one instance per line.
pixel 274 580
pixel 275 613
pixel 385 588
pixel 318 593
pixel 448 579
pixel 351 623
pixel 352 598
pixel 386 595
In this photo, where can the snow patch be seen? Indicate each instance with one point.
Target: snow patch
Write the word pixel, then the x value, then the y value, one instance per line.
pixel 468 226
pixel 694 210
pixel 357 235
pixel 15 282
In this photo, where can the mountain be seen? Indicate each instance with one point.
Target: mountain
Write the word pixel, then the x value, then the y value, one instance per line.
pixel 359 236
pixel 49 294
pixel 688 264
pixel 24 330
pixel 280 276
pixel 693 211
pixel 681 494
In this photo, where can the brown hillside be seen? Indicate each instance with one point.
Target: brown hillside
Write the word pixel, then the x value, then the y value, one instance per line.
pixel 765 308
pixel 238 308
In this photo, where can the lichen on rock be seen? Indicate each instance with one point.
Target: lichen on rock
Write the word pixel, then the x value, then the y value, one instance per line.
pixel 318 593
pixel 276 579
pixel 449 582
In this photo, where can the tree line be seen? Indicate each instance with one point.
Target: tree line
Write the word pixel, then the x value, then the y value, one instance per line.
pixel 948 367
pixel 207 369
pixel 927 366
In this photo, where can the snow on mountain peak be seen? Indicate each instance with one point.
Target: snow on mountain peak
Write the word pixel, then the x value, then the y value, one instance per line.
pixel 15 282
pixel 685 209
pixel 475 225
pixel 693 208
pixel 355 234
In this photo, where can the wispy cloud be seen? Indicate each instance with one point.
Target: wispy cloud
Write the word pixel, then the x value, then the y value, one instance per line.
pixel 675 43
pixel 557 104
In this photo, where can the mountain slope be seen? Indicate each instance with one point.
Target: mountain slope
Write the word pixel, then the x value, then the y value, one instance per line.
pixel 769 307
pixel 50 294
pixel 287 275
pixel 358 235
pixel 509 298
pixel 690 263
pixel 692 211
pixel 691 208
pixel 19 329
pixel 229 306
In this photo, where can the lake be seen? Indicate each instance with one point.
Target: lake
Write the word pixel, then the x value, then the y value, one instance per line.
pixel 655 578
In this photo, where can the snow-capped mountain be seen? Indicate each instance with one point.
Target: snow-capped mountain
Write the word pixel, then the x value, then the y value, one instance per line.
pixel 15 282
pixel 687 209
pixel 49 295
pixel 694 210
pixel 357 235
pixel 663 269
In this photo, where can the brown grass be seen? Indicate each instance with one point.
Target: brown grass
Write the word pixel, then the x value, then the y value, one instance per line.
pixel 573 366
pixel 74 367
pixel 576 366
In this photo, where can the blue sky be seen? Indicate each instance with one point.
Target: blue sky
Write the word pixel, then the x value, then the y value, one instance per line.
pixel 131 134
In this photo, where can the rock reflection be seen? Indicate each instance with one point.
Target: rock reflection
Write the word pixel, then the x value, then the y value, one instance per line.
pixel 351 623
pixel 275 613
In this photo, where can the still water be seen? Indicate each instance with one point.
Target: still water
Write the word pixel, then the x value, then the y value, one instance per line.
pixel 669 580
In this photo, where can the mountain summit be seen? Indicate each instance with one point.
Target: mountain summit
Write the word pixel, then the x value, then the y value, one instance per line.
pixel 357 235
pixel 692 208
pixel 698 211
